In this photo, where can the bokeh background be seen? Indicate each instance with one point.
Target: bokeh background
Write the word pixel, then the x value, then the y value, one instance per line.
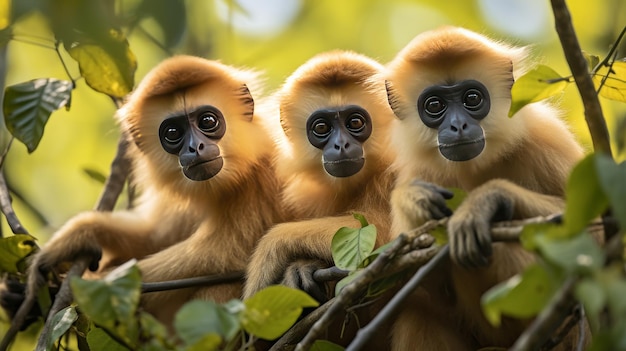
pixel 275 36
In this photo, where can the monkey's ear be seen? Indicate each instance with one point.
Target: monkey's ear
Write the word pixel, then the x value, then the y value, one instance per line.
pixel 247 101
pixel 393 99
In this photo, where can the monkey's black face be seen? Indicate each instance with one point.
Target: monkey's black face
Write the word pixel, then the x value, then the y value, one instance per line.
pixel 455 111
pixel 193 136
pixel 340 134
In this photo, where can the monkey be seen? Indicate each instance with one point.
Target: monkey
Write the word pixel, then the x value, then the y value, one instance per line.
pixel 450 89
pixel 202 159
pixel 333 160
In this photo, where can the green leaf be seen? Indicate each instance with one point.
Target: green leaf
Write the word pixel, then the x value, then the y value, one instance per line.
pixel 616 290
pixel 27 107
pixel 531 233
pixel 350 246
pixel 361 219
pixel 592 296
pixel 13 250
pixel 620 137
pixel 152 329
pixel 325 345
pixel 379 286
pixel 95 175
pixel 520 296
pixel 111 302
pixel 440 233
pixel 99 340
pixel 273 310
pixel 208 342
pixel 585 198
pixel 580 253
pixel 592 60
pixel 346 280
pixel 110 68
pixel 372 256
pixel 536 85
pixel 62 322
pixel 612 81
pixel 457 198
pixel 198 318
pixel 612 179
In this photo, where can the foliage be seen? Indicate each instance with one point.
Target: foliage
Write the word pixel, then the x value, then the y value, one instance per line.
pixel 114 321
pixel 569 251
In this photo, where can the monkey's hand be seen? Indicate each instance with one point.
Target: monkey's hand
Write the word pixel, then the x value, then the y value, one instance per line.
pixel 75 240
pixel 418 202
pixel 469 229
pixel 299 275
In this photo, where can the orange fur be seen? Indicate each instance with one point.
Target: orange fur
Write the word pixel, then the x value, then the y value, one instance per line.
pixel 324 203
pixel 527 159
pixel 182 228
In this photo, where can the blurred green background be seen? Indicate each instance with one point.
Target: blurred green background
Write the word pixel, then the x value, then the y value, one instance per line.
pixel 275 36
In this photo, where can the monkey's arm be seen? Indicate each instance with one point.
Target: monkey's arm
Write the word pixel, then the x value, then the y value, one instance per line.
pixel 124 234
pixel 415 203
pixel 469 227
pixel 291 242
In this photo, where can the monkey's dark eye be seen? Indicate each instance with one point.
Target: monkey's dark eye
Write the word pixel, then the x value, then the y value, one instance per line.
pixel 208 122
pixel 173 134
pixel 473 99
pixel 355 123
pixel 321 128
pixel 435 106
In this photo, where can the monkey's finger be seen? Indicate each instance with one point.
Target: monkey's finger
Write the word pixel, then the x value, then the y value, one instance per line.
pixel 447 194
pixel 484 243
pixel 439 212
pixel 458 250
pixel 474 257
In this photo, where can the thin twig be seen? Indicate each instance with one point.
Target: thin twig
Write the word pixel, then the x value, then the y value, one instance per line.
pixel 120 169
pixel 364 334
pixel 351 291
pixel 193 282
pixel 580 72
pixel 7 208
pixel 300 329
pixel 548 320
pixel 410 251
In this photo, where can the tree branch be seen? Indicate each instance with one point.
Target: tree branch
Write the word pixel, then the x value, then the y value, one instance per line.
pixel 7 208
pixel 580 72
pixel 548 320
pixel 409 251
pixel 193 282
pixel 120 169
pixel 364 334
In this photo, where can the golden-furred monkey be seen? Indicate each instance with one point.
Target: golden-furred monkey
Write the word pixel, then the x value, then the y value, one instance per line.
pixel 334 160
pixel 202 159
pixel 451 91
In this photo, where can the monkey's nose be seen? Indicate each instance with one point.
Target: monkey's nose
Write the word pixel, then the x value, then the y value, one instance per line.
pixel 345 146
pixel 456 129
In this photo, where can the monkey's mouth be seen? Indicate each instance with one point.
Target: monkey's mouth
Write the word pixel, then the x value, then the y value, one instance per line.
pixel 462 150
pixel 345 167
pixel 200 170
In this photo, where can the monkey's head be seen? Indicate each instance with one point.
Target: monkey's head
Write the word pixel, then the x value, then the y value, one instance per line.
pixel 451 91
pixel 335 116
pixel 193 120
